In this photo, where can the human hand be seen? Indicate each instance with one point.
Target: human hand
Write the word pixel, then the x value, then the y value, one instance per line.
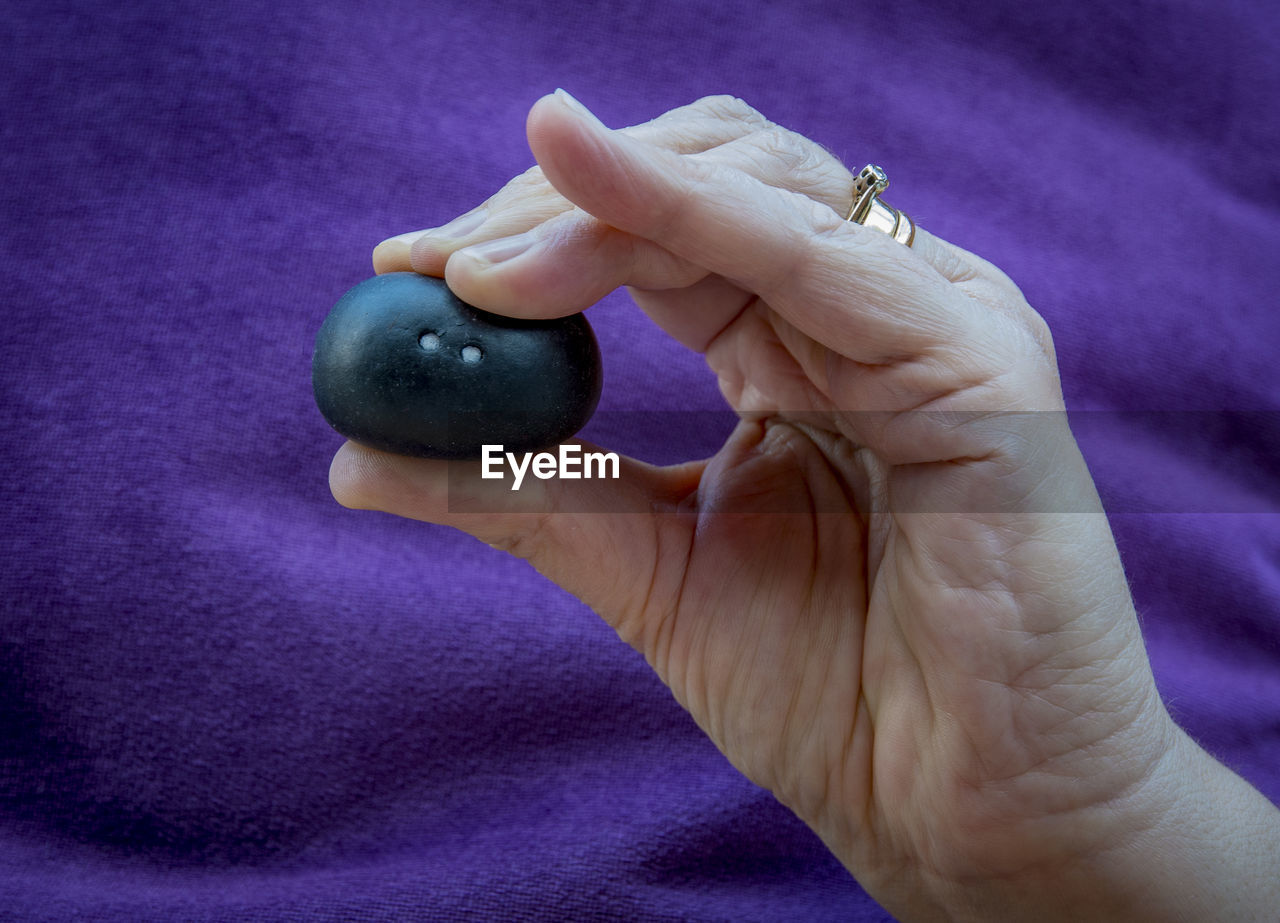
pixel 892 597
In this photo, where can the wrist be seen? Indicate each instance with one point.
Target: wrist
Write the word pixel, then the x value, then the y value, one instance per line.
pixel 1193 842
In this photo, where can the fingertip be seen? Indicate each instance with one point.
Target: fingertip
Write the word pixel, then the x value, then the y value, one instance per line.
pixel 508 290
pixel 621 181
pixel 559 104
pixel 467 278
pixel 361 478
pixel 392 255
pixel 538 111
pixel 564 136
pixel 545 124
pixel 569 266
pixel 348 477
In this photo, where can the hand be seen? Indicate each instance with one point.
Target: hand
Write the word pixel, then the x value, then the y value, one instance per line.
pixel 891 597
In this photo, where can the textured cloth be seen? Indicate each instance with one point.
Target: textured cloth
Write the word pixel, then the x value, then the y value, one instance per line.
pixel 224 697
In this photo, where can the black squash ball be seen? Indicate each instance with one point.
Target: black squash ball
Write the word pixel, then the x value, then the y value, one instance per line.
pixel 403 365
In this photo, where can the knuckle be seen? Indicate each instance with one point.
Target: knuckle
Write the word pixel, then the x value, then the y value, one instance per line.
pixel 1006 301
pixel 1040 332
pixel 530 180
pixel 784 147
pixel 729 108
pixel 801 165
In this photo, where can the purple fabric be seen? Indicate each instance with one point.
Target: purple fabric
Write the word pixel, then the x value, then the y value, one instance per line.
pixel 226 698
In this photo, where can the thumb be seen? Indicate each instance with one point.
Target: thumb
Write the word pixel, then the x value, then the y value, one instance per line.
pixel 607 540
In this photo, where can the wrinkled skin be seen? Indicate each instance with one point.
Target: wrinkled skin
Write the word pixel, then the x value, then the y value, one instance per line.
pixel 892 597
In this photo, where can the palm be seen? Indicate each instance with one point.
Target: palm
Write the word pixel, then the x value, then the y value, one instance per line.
pixel 840 654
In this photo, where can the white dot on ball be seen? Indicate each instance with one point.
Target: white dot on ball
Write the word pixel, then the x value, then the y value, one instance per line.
pixel 471 354
pixel 429 341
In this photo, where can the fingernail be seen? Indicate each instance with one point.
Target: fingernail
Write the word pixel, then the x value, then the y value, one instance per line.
pixel 504 248
pixel 395 249
pixel 462 225
pixel 577 108
pixel 400 241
